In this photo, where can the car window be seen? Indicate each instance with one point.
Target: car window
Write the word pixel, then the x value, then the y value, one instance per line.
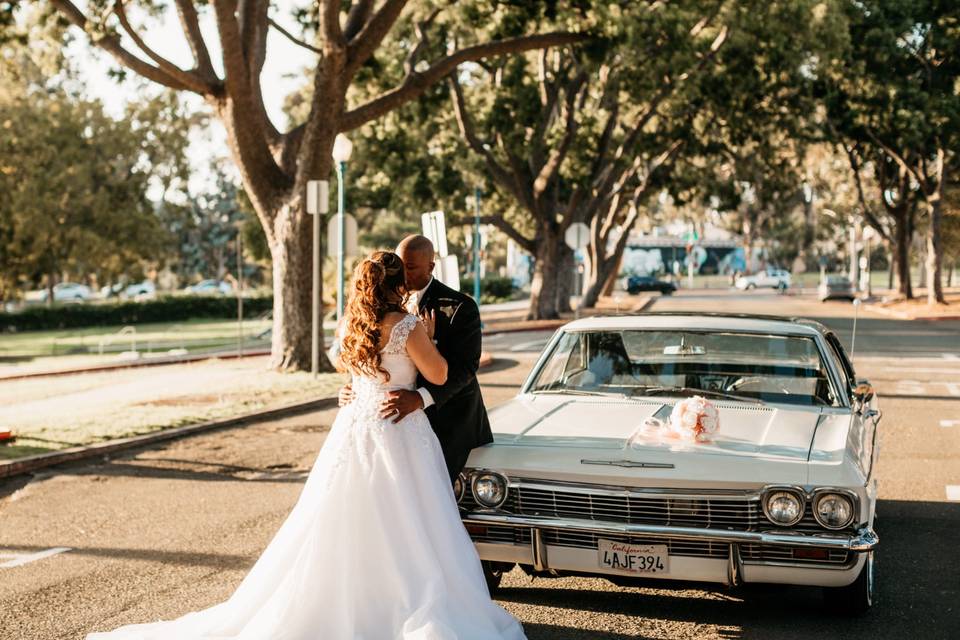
pixel 775 368
pixel 843 362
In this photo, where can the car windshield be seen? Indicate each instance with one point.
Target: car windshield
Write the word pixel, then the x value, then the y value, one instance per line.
pixel 740 366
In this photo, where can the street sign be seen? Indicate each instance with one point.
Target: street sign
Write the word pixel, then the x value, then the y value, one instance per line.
pixel 577 236
pixel 318 197
pixel 435 228
pixel 333 237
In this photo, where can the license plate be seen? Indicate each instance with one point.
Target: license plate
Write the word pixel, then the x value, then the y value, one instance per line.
pixel 633 558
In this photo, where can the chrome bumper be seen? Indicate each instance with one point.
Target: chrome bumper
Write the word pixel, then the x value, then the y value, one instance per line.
pixel 865 539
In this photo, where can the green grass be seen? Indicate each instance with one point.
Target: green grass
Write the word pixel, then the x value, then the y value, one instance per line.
pixel 49 414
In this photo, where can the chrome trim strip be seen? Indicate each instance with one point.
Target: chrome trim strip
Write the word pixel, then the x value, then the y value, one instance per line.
pixel 630 463
pixel 627 492
pixel 864 540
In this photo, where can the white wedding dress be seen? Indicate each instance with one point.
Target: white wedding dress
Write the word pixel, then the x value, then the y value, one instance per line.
pixel 374 548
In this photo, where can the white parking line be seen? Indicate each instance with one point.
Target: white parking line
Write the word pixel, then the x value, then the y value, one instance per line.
pixel 950 423
pixel 953 492
pixel 20 559
pixel 951 356
pixel 533 345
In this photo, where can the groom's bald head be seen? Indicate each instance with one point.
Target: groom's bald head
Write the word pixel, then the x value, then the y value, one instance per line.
pixel 417 255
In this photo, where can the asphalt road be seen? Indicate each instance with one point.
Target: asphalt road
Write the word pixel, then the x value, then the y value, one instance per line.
pixel 156 533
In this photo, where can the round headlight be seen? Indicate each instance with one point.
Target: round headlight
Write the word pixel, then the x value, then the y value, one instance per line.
pixel 833 510
pixel 489 489
pixel 459 485
pixel 783 508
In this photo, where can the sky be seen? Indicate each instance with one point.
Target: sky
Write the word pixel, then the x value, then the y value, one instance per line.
pixel 282 73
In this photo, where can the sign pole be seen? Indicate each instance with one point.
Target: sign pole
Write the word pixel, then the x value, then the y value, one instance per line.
pixel 318 203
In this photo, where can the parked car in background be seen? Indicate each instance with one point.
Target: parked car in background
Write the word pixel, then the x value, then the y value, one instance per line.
pixel 636 284
pixel 210 288
pixel 590 473
pixel 141 290
pixel 769 278
pixel 836 288
pixel 66 292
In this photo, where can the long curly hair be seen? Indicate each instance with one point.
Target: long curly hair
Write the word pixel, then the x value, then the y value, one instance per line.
pixel 378 289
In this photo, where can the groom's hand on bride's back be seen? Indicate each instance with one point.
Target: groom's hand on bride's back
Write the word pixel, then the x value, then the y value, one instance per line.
pixel 345 396
pixel 399 404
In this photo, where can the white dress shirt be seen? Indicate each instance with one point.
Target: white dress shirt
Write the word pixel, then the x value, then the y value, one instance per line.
pixel 413 306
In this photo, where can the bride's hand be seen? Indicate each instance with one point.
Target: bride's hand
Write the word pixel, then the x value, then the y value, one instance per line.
pixel 429 319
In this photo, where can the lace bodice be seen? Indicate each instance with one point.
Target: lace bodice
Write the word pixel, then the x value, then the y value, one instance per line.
pixel 394 360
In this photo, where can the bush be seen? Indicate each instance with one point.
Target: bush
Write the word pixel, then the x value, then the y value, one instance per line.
pixel 163 309
pixel 492 288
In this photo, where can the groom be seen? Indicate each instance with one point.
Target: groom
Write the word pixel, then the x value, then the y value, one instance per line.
pixel 455 409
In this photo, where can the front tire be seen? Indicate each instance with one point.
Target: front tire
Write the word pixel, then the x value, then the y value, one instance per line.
pixel 856 598
pixel 493 573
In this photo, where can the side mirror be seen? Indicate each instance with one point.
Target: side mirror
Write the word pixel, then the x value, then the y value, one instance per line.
pixel 863 391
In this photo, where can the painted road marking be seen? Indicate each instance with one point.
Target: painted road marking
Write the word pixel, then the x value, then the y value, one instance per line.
pixel 951 356
pixel 950 423
pixel 953 492
pixel 918 388
pixel 20 559
pixel 533 345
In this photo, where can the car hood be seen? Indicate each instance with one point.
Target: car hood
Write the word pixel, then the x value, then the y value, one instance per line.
pixel 544 436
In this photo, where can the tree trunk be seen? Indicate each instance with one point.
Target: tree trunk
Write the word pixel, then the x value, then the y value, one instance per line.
pixel 934 254
pixel 600 277
pixel 901 255
pixel 292 260
pixel 543 286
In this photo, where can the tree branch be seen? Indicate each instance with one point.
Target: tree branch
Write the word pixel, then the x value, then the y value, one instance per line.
pixel 410 63
pixel 469 134
pixel 548 172
pixel 111 44
pixel 357 17
pixel 191 29
pixel 292 38
pixel 417 83
pixel 511 232
pixel 368 39
pixel 900 160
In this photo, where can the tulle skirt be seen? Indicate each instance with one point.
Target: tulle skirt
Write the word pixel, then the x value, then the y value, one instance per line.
pixel 373 550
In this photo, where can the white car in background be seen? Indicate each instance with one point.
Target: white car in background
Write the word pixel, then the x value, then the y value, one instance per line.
pixel 210 288
pixel 769 278
pixel 141 290
pixel 783 492
pixel 66 292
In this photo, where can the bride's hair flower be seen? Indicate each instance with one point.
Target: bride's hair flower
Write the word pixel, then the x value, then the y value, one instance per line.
pixel 378 289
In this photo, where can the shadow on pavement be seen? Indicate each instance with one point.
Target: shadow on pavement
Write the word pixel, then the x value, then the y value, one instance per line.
pixel 187 558
pixel 226 473
pixel 918 591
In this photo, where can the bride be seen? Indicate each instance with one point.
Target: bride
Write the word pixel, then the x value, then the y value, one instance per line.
pixel 374 548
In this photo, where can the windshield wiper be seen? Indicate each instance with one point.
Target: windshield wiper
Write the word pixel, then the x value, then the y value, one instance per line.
pixel 698 392
pixel 580 392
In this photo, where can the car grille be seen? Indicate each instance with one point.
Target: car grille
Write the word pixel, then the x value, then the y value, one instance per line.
pixel 737 515
pixel 768 553
pixel 704 512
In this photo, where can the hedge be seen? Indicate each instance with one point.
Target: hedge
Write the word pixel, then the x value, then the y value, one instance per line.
pixel 163 309
pixel 491 287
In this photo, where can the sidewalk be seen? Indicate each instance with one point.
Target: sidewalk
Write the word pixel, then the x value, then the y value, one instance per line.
pixel 894 306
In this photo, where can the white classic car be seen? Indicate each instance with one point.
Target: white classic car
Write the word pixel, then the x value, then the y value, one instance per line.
pixel 580 479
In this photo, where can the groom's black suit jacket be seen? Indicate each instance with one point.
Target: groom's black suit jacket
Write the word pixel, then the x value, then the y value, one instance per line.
pixel 457 416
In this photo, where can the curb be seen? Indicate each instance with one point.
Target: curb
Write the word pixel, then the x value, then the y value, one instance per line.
pixel 136 363
pixel 902 315
pixel 33 463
